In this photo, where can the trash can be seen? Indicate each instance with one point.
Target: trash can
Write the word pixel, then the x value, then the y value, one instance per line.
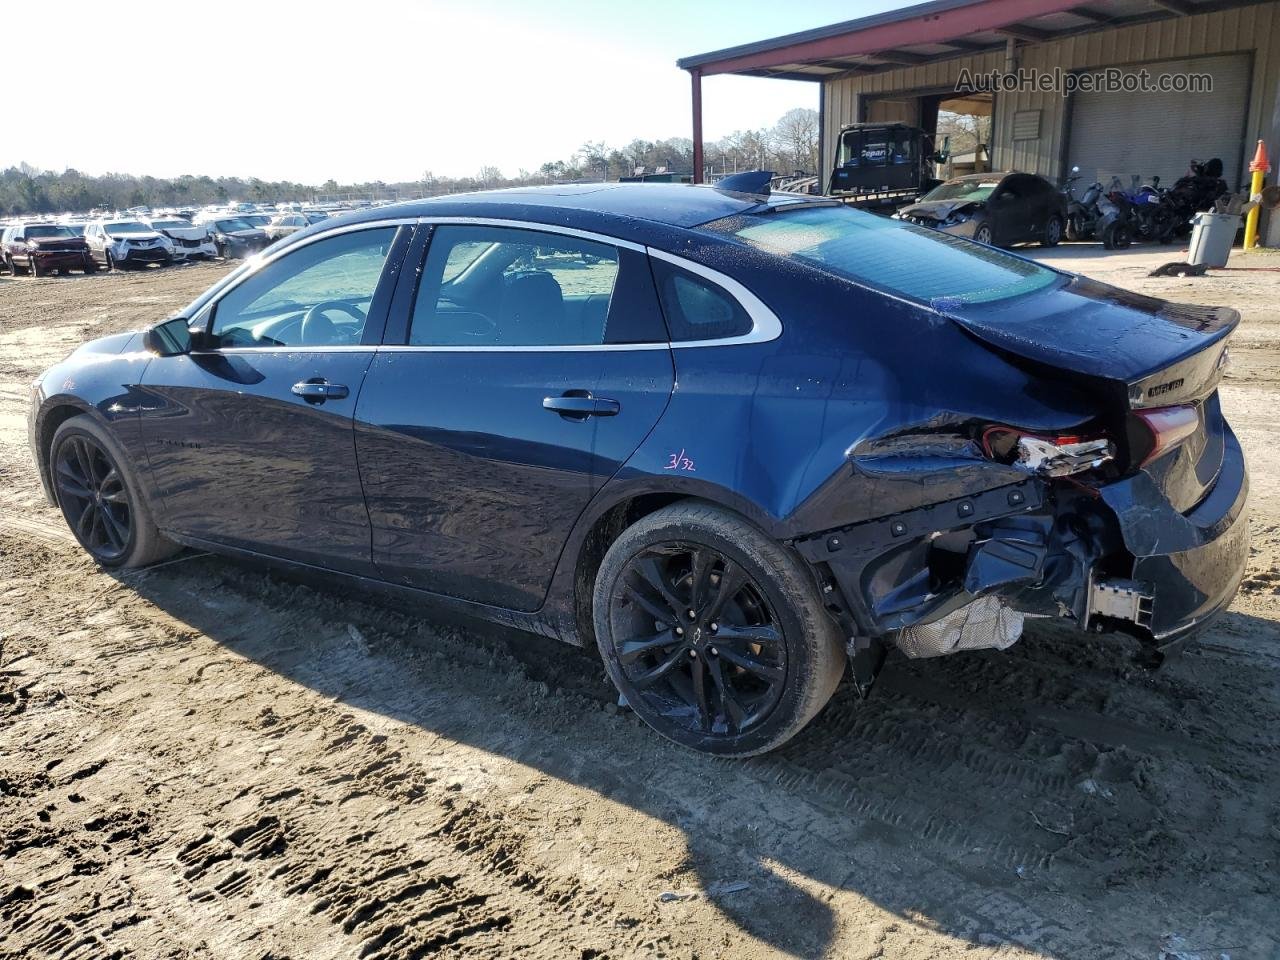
pixel 1211 238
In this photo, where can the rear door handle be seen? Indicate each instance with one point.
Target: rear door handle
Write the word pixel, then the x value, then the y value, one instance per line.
pixel 318 391
pixel 580 404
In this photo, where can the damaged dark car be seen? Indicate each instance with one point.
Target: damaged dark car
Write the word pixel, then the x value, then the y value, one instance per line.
pixel 745 445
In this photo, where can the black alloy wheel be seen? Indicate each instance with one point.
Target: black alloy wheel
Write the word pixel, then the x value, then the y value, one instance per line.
pixel 697 640
pixel 713 631
pixel 93 497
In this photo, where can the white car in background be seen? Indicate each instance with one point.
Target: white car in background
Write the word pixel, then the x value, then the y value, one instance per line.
pixel 190 242
pixel 127 243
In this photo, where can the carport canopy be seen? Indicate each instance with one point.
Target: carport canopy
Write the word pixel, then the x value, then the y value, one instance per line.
pixel 922 33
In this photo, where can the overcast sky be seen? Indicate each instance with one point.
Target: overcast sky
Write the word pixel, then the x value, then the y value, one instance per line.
pixel 374 89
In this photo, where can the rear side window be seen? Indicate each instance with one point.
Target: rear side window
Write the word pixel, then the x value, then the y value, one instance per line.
pixel 497 286
pixel 697 309
pixel 914 262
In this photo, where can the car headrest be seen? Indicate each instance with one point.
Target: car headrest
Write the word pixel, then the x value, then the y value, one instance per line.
pixel 532 297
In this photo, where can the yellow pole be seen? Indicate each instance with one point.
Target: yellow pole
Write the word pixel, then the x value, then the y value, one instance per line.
pixel 1260 166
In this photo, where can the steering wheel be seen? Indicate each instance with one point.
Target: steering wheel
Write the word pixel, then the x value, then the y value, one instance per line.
pixel 318 329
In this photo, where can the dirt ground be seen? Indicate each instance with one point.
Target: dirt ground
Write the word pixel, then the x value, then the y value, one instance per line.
pixel 205 760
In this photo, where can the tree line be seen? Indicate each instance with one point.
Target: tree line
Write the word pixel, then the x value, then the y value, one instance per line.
pixel 789 146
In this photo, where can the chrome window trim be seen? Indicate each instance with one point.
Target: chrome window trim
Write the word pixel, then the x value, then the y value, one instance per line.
pixel 531 348
pixel 765 323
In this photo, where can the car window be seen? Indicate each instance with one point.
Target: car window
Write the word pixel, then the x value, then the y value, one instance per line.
pixel 697 309
pixel 916 262
pixel 496 286
pixel 317 295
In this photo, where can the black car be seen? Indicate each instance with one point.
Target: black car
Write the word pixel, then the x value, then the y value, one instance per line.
pixel 734 441
pixel 236 238
pixel 996 208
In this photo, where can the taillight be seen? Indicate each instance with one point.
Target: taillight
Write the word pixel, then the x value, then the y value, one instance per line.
pixel 1169 426
pixel 1058 455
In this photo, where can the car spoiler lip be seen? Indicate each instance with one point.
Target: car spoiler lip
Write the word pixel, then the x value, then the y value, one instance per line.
pixel 1162 352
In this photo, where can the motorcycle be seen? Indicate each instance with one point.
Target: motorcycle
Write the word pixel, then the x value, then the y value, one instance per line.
pixel 1115 223
pixel 1198 190
pixel 1152 219
pixel 1083 214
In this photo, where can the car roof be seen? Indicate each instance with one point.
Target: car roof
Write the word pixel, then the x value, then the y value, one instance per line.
pixel 619 208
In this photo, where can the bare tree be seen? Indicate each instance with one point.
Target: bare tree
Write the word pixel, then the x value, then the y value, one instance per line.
pixel 796 136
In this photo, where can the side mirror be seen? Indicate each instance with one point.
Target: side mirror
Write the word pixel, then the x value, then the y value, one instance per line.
pixel 171 338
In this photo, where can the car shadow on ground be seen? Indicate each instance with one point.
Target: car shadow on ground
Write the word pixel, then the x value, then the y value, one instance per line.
pixel 1054 796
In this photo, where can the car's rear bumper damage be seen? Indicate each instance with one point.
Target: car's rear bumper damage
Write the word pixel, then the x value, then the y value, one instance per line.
pixel 964 573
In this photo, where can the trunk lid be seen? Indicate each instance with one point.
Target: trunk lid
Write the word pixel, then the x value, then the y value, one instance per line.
pixel 1135 352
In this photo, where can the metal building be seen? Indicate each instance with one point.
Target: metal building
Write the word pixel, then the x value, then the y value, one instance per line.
pixel 906 64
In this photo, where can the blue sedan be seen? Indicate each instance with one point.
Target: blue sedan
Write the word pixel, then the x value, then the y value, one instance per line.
pixel 745 444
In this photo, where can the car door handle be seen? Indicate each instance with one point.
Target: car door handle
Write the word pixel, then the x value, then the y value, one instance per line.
pixel 318 391
pixel 580 404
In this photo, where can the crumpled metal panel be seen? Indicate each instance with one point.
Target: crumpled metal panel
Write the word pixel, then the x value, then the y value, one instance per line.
pixel 984 624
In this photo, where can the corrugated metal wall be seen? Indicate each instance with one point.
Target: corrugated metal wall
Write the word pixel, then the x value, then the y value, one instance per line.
pixel 1253 28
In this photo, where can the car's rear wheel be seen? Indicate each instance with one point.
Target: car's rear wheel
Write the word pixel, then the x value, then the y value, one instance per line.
pixel 90 265
pixel 100 498
pixel 713 632
pixel 8 265
pixel 1052 233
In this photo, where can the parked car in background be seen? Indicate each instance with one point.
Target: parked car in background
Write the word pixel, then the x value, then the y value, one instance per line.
pixel 284 224
pixel 259 220
pixel 42 248
pixel 127 243
pixel 189 241
pixel 234 236
pixel 622 415
pixel 996 208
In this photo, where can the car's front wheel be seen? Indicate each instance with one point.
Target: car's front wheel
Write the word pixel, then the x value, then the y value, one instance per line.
pixel 100 499
pixel 983 233
pixel 713 632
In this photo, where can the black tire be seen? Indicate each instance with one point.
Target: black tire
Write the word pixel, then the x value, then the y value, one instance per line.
pixel 983 233
pixel 8 265
pixel 101 499
pixel 111 261
pixel 90 266
pixel 754 639
pixel 34 268
pixel 1052 233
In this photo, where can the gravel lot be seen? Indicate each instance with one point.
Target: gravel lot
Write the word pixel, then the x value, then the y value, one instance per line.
pixel 206 760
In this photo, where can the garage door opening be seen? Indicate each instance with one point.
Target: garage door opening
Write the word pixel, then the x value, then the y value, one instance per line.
pixel 962 127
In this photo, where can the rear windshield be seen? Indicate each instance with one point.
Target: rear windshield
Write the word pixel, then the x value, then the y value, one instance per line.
pixel 914 262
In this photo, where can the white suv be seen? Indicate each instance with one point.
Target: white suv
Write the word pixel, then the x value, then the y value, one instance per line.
pixel 189 241
pixel 127 243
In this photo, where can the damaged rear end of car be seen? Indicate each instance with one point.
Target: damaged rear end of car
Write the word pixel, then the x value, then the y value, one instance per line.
pixel 1066 456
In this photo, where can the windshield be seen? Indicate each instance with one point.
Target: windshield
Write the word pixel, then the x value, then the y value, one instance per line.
pixel 165 224
pixel 316 217
pixel 125 226
pixel 914 262
pixel 231 226
pixel 49 231
pixel 976 190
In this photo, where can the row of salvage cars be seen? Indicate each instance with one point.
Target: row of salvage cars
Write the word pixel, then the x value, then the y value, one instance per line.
pixel 43 248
